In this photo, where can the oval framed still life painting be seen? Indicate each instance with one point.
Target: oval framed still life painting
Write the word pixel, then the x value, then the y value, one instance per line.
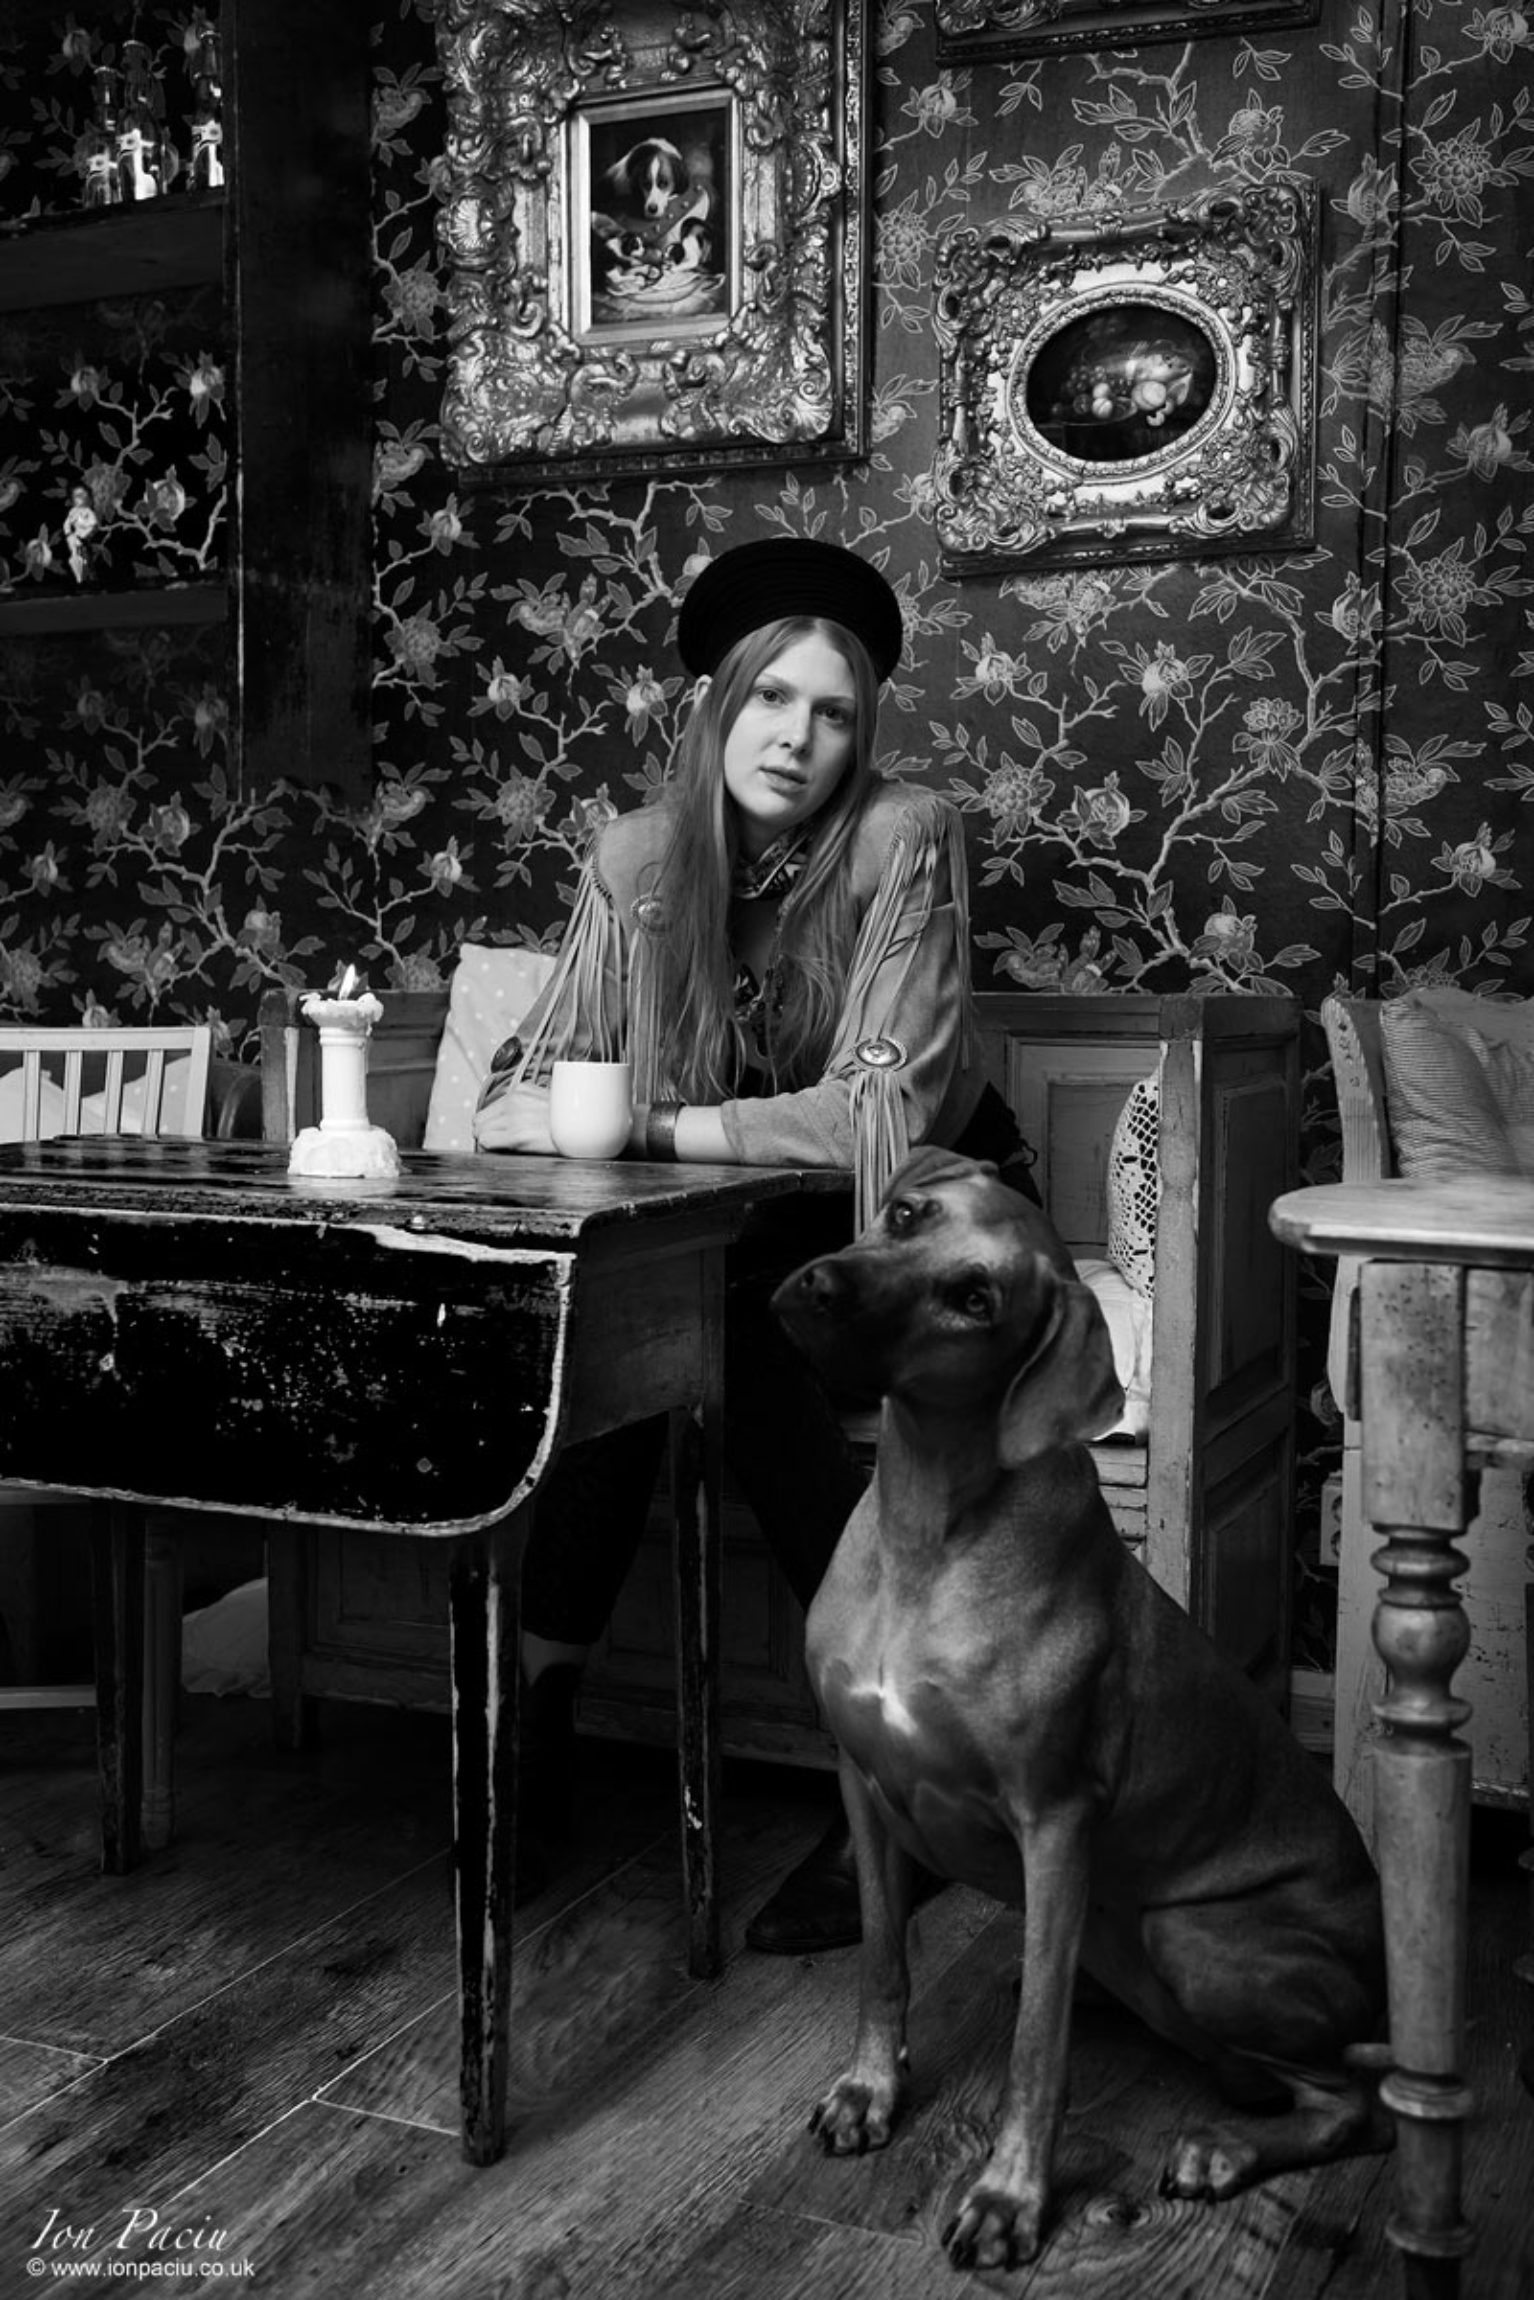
pixel 1140 386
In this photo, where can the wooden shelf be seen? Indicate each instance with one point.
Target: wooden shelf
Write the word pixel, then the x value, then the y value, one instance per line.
pixel 288 242
pixel 148 609
pixel 174 242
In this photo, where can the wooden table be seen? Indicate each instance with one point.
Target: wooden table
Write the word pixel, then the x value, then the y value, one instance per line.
pixel 183 1324
pixel 1443 1383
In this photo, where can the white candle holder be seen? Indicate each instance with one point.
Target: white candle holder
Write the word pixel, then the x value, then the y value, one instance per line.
pixel 344 1145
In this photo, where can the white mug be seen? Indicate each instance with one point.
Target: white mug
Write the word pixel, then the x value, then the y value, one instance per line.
pixel 591 1108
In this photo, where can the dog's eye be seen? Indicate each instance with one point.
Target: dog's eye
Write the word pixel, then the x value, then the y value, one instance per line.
pixel 900 1216
pixel 973 1299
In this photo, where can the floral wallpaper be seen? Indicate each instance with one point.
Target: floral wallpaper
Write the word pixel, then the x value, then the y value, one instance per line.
pixel 1252 773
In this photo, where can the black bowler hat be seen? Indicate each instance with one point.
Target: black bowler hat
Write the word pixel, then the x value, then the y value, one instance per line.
pixel 778 577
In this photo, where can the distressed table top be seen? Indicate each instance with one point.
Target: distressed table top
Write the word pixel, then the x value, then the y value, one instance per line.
pixel 1486 1221
pixel 505 1199
pixel 182 1323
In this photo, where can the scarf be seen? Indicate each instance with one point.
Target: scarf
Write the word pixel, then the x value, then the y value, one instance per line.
pixel 776 869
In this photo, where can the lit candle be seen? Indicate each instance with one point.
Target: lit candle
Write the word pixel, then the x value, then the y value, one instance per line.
pixel 344 1143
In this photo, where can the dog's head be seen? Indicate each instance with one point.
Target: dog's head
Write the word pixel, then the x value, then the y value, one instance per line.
pixel 960 1299
pixel 649 176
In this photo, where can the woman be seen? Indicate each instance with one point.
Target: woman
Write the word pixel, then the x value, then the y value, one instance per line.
pixel 780 948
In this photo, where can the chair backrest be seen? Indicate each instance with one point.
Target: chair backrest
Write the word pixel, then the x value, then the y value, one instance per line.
pixel 1352 1027
pixel 148 1080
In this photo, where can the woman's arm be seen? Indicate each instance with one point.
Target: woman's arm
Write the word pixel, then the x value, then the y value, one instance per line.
pixel 700 1137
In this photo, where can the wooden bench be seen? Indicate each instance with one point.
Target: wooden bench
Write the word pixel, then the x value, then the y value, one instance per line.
pixel 1206 1499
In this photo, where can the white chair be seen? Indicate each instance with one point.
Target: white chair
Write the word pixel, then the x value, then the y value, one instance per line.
pixel 107 1081
pixel 151 1080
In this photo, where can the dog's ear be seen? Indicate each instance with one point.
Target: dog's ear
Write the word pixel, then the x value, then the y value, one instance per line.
pixel 1068 1392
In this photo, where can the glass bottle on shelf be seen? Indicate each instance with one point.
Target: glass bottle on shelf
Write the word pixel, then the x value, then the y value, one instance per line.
pixel 207 120
pixel 140 136
pixel 99 185
pixel 207 168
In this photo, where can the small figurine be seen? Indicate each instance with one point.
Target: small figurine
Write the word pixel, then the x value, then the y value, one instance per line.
pixel 80 526
pixel 207 166
pixel 140 143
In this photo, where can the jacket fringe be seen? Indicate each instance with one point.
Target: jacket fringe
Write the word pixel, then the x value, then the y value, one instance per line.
pixel 644 1016
pixel 577 990
pixel 881 1139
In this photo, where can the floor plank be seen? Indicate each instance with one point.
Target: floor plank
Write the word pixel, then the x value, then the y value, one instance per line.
pixel 30 2073
pixel 90 1964
pixel 609 2193
pixel 589 1987
pixel 258 2035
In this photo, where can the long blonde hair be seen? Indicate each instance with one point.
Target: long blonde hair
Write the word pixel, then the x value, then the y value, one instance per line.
pixel 702 1046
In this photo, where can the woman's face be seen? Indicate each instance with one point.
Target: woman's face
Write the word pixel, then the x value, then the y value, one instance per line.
pixel 792 740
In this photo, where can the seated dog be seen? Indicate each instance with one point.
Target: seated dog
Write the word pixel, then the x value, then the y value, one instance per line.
pixel 1019 1706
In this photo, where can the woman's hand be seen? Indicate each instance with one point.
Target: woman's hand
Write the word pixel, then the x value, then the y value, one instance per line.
pixel 517 1120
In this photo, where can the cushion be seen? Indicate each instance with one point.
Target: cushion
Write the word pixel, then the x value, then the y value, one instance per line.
pixel 1128 1312
pixel 1134 1187
pixel 491 991
pixel 1459 1083
pixel 224 1645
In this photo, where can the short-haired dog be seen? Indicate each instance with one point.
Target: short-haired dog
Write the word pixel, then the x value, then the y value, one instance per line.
pixel 1020 1706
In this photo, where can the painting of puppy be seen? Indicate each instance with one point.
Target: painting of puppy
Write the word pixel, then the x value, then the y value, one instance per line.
pixel 617 256
pixel 647 178
pixel 657 183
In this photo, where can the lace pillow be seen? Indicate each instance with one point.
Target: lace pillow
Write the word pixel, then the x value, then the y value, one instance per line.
pixel 1134 1187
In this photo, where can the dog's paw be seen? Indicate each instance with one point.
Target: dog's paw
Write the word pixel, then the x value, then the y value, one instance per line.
pixel 1210 2166
pixel 855 2116
pixel 992 2229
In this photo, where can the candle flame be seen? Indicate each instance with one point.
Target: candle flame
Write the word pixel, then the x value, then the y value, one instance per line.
pixel 350 983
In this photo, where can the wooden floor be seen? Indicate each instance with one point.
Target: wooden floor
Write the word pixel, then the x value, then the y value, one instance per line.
pixel 253 2038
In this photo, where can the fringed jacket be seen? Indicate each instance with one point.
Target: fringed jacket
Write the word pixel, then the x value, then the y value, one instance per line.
pixel 902 1069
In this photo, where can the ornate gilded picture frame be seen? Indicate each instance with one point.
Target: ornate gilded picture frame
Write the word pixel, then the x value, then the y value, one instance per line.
pixel 1132 386
pixel 995 31
pixel 656 223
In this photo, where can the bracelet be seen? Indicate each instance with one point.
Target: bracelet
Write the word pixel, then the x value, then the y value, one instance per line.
pixel 660 1130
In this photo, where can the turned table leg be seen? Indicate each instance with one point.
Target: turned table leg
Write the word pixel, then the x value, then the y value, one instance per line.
pixel 1417 1495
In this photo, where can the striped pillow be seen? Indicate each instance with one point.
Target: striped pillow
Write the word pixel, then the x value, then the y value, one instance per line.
pixel 1459 1084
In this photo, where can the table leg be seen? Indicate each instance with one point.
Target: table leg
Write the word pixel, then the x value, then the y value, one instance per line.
pixel 287 1598
pixel 1525 1965
pixel 483 1585
pixel 1417 1495
pixel 695 1475
pixel 117 1606
pixel 162 1680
